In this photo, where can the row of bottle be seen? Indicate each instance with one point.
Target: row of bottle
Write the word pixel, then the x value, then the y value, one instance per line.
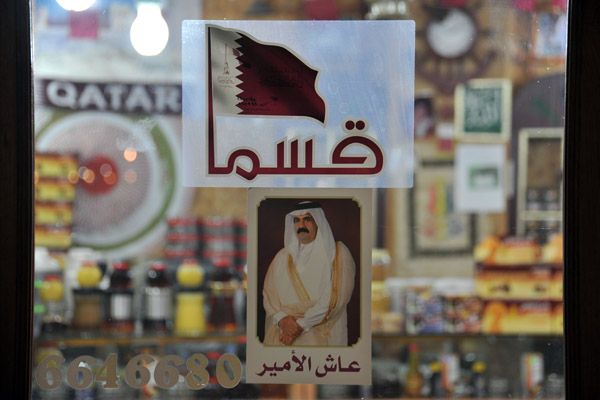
pixel 178 303
pixel 452 376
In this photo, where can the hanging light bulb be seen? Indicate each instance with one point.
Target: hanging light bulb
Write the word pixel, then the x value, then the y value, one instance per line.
pixel 75 5
pixel 149 32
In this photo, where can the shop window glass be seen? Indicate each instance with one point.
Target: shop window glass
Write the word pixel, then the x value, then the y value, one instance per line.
pixel 466 265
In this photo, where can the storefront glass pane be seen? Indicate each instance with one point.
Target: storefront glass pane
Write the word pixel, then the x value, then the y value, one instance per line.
pixel 466 265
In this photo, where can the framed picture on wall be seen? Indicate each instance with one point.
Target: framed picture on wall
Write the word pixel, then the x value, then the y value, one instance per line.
pixel 539 180
pixel 550 37
pixel 424 116
pixel 482 111
pixel 436 228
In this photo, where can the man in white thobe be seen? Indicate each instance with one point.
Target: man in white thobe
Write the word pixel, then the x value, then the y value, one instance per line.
pixel 308 284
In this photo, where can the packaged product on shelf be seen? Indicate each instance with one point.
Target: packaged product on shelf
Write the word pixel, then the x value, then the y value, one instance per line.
pixel 54 190
pixel 119 316
pixel 218 238
pixel 462 309
pixel 556 285
pixel 53 237
pixel 157 299
pixel 552 252
pixel 424 308
pixel 394 288
pixel 190 318
pixel 88 312
pixel 56 165
pixel 54 177
pixel 380 303
pixel 183 239
pixel 557 318
pixel 522 282
pixel 53 213
pixel 513 316
pixel 507 251
pixel 380 264
pixel 485 250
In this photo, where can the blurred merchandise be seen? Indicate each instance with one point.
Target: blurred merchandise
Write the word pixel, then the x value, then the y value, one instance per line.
pixel 218 237
pixel 52 294
pixel 413 381
pixel 478 380
pixel 514 282
pixel 120 300
pixel 532 374
pixel 508 251
pixel 462 308
pixel 45 265
pixel 380 264
pixel 557 318
pixel 190 319
pixel 157 299
pixel 516 317
pixel 183 240
pixel 88 312
pixel 55 177
pixel 424 308
pixel 450 373
pixel 436 389
pixel 552 251
pixel 223 287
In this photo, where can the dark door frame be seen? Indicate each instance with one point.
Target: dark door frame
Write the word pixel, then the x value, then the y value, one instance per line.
pixel 16 198
pixel 582 195
pixel 581 210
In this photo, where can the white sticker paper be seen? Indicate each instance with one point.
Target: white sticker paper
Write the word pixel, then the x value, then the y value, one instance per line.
pixel 298 103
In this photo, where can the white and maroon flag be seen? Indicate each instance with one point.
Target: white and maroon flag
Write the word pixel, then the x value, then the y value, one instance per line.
pixel 298 103
pixel 247 77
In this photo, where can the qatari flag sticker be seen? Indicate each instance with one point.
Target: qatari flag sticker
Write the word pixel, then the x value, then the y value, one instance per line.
pixel 298 103
pixel 253 78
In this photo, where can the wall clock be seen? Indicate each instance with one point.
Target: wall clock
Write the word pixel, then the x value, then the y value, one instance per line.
pixel 451 48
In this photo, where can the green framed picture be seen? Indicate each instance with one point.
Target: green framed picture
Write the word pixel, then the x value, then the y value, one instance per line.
pixel 483 110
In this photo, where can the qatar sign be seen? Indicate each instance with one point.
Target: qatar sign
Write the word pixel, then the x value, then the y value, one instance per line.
pixel 298 103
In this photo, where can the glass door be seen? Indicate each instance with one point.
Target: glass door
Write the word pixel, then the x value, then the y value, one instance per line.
pixel 468 265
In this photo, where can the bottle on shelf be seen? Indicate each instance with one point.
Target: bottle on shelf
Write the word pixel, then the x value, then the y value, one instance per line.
pixel 450 373
pixel 157 299
pixel 190 319
pixel 223 287
pixel 413 380
pixel 532 374
pixel 87 299
pixel 52 294
pixel 436 391
pixel 120 300
pixel 478 381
